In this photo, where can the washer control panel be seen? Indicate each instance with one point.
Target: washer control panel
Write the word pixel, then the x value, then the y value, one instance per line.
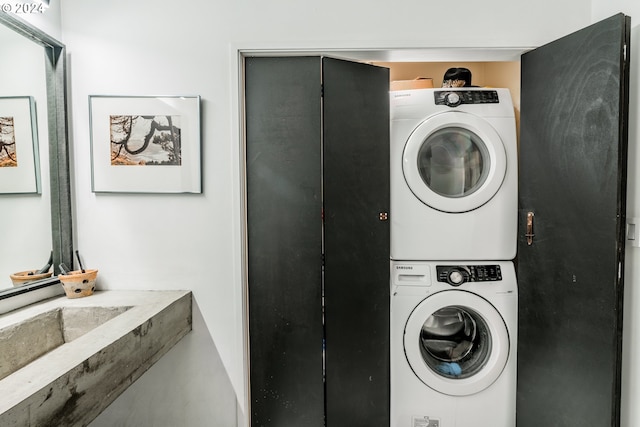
pixel 453 98
pixel 456 275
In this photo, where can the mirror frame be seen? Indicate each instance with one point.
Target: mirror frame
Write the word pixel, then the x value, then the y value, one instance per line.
pixel 61 220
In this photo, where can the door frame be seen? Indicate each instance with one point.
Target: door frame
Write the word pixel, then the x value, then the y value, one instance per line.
pixel 372 53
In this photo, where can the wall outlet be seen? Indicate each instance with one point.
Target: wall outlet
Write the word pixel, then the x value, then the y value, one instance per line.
pixel 633 232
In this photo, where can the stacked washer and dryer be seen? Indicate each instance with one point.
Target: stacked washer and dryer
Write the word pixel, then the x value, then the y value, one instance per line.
pixel 454 296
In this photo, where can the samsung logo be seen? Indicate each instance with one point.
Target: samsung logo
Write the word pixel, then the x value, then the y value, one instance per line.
pixel 400 95
pixel 403 267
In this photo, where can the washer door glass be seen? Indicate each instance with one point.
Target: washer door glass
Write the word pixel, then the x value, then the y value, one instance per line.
pixel 456 342
pixel 454 162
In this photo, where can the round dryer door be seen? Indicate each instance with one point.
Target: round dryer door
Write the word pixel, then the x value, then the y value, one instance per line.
pixel 454 162
pixel 456 342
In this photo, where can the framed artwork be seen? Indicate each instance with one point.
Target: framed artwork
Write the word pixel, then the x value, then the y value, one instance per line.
pixel 19 156
pixel 145 144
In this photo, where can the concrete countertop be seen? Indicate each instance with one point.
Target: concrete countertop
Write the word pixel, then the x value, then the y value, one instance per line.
pixel 73 383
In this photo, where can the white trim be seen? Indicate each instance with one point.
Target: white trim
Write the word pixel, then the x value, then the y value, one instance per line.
pixel 240 265
pixel 391 53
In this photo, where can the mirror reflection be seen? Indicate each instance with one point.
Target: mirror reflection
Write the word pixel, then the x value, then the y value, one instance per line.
pixel 26 242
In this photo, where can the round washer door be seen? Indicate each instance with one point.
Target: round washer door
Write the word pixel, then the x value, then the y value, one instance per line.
pixel 454 162
pixel 456 342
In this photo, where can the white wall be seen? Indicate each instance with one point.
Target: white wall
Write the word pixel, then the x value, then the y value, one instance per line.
pixel 167 47
pixel 630 415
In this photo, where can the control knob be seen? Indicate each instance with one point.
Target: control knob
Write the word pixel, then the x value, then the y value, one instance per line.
pixel 455 278
pixel 452 99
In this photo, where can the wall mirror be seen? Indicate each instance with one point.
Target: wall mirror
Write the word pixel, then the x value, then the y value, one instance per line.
pixel 35 223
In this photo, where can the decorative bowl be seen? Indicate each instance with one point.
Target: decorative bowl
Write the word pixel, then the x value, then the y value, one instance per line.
pixel 77 284
pixel 22 277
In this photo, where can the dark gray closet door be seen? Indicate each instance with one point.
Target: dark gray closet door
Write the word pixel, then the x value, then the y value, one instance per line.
pixel 572 189
pixel 284 226
pixel 356 200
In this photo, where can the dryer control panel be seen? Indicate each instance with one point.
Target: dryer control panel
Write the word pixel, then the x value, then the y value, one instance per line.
pixel 456 275
pixel 453 98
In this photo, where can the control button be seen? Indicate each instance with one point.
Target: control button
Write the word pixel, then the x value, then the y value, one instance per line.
pixel 452 99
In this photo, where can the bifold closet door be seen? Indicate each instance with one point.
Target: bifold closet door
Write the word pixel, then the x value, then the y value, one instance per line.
pixel 356 241
pixel 284 232
pixel 571 240
pixel 311 156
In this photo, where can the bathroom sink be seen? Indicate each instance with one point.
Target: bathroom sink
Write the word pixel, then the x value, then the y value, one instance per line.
pixel 29 339
pixel 63 361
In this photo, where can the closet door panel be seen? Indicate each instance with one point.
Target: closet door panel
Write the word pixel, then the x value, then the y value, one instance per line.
pixel 356 199
pixel 571 240
pixel 284 232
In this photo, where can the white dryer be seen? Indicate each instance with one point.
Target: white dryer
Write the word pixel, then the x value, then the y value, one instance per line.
pixel 453 344
pixel 453 174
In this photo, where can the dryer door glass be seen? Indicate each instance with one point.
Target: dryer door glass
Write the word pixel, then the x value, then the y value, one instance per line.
pixel 453 162
pixel 455 342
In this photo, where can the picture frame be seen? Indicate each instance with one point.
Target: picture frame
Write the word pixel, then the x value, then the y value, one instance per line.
pixel 145 144
pixel 19 155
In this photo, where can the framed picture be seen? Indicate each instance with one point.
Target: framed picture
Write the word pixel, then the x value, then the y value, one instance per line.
pixel 19 156
pixel 145 144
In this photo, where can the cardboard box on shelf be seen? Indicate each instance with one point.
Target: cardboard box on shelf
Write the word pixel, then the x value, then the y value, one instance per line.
pixel 417 83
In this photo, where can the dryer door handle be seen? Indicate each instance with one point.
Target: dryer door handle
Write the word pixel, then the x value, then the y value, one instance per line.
pixel 529 235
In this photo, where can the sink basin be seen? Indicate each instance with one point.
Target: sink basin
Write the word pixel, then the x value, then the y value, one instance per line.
pixel 27 340
pixel 63 361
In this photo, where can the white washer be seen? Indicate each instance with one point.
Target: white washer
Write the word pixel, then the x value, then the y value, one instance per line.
pixel 453 174
pixel 453 344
